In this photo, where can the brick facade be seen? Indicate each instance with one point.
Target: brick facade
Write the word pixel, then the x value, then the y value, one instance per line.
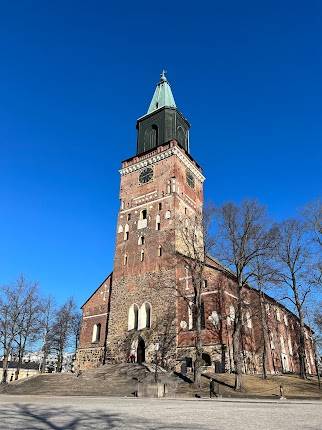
pixel 138 305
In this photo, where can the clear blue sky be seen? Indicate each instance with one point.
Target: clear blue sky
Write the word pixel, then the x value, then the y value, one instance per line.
pixel 75 76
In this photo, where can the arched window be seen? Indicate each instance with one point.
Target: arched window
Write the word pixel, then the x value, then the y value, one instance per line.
pixel 126 232
pixel 143 214
pixel 214 318
pixel 145 316
pixel 133 317
pixel 125 260
pixel 143 219
pixel 285 320
pixel 151 138
pixel 148 315
pixel 96 334
pixel 158 222
pixel 181 136
pixel 160 251
pixel 141 240
pixel 142 255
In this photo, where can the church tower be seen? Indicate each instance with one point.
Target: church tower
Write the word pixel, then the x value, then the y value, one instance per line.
pixel 157 184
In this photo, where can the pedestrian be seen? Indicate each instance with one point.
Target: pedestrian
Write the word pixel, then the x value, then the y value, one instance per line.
pixel 282 397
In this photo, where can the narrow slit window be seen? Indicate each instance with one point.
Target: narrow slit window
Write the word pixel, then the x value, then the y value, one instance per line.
pixel 160 251
pixel 160 206
pixel 142 255
pixel 125 260
pixel 129 217
pixel 158 223
pixel 126 232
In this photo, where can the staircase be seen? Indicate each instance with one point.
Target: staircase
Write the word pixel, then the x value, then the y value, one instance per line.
pixel 119 380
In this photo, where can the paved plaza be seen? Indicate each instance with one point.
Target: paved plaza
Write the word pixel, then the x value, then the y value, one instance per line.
pixel 74 413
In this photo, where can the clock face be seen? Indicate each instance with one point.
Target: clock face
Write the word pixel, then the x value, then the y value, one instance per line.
pixel 146 175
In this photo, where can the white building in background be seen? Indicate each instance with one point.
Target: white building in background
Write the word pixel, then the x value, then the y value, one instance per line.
pixel 51 361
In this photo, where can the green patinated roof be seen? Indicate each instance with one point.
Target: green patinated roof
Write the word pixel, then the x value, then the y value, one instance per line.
pixel 162 95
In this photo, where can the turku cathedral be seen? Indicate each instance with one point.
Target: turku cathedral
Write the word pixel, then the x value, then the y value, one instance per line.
pixel 136 314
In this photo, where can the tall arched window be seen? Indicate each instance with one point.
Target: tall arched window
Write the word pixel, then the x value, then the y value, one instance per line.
pixel 151 137
pixel 96 333
pixel 145 316
pixel 148 315
pixel 133 317
pixel 214 318
pixel 181 137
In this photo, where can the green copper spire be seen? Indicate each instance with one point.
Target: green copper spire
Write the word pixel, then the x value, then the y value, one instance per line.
pixel 162 96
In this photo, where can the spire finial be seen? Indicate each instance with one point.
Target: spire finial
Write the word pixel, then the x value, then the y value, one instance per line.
pixel 163 77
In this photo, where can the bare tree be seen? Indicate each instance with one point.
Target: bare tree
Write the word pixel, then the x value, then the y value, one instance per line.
pixel 164 335
pixel 46 323
pixel 293 264
pixel 314 318
pixel 76 327
pixel 194 242
pixel 243 235
pixel 29 324
pixel 63 330
pixel 312 214
pixel 13 303
pixel 313 220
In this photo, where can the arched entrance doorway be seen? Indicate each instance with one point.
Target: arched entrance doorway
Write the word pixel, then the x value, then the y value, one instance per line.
pixel 140 355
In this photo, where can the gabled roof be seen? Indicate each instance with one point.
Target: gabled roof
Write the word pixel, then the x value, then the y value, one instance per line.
pixel 107 277
pixel 162 96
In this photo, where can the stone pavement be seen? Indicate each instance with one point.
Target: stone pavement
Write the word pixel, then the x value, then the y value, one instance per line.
pixel 75 413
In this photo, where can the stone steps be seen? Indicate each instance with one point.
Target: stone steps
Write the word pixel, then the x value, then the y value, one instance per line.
pixel 109 380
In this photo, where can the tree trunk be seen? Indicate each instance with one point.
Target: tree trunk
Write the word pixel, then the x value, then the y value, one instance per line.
pixel 60 361
pixel 198 341
pixel 302 355
pixel 5 365
pixel 238 359
pixel 20 356
pixel 264 333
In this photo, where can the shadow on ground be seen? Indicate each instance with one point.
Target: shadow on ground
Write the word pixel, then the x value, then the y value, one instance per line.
pixel 30 417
